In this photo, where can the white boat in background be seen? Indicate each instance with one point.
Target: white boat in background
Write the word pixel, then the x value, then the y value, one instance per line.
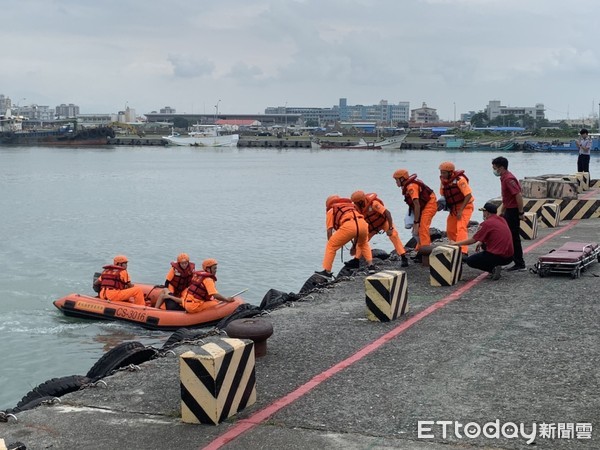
pixel 203 136
pixel 391 142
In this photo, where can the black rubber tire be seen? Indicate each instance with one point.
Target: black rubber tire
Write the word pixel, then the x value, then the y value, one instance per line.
pixel 16 446
pixel 123 359
pixel 107 360
pixel 56 387
pixel 256 329
pixel 182 334
pixel 32 404
pixel 314 281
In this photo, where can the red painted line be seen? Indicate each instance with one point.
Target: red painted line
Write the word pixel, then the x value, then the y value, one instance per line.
pixel 262 415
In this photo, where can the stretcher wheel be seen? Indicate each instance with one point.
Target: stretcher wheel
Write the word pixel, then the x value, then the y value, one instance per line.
pixel 575 274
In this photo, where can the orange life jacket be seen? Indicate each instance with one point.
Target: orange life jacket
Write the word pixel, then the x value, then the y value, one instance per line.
pixel 343 210
pixel 182 277
pixel 197 288
pixel 374 219
pixel 111 278
pixel 424 194
pixel 451 191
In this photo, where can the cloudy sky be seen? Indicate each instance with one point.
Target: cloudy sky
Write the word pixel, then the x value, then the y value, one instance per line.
pixel 455 55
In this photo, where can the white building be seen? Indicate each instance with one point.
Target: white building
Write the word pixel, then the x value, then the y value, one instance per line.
pixel 495 109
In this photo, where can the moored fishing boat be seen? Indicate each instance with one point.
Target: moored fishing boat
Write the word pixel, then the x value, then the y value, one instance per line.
pixel 361 145
pixel 203 136
pixel 12 133
pixel 558 146
pixel 88 307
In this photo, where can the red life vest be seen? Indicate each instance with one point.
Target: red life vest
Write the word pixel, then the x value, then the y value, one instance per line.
pixel 451 191
pixel 343 210
pixel 182 277
pixel 111 278
pixel 374 219
pixel 424 194
pixel 197 288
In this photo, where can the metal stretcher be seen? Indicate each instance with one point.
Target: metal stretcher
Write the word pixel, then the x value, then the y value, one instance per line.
pixel 571 258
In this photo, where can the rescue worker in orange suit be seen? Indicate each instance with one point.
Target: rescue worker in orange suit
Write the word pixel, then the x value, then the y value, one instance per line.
pixel 344 224
pixel 459 201
pixel 178 278
pixel 421 201
pixel 379 218
pixel 202 292
pixel 115 284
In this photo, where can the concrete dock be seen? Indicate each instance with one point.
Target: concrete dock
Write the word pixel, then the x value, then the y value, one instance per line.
pixel 522 350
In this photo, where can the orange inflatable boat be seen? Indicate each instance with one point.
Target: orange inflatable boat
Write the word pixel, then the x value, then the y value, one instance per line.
pixel 88 307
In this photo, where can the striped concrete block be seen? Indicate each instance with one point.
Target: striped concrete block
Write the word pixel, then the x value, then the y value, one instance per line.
pixel 584 179
pixel 575 180
pixel 529 226
pixel 534 188
pixel 445 265
pixel 569 209
pixel 549 215
pixel 560 188
pixel 594 184
pixel 218 381
pixel 386 295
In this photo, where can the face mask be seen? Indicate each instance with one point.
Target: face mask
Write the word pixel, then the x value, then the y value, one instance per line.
pixel 496 173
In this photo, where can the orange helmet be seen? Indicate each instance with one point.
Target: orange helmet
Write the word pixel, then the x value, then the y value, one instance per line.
pixel 400 173
pixel 358 196
pixel 209 263
pixel 447 166
pixel 330 200
pixel 120 259
pixel 183 257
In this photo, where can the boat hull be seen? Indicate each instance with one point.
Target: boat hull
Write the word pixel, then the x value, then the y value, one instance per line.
pixel 93 137
pixel 229 140
pixel 88 307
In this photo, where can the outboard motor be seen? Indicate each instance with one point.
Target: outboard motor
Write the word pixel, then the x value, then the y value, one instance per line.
pixel 96 287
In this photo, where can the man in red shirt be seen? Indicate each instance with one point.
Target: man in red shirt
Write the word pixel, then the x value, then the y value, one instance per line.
pixel 494 237
pixel 511 208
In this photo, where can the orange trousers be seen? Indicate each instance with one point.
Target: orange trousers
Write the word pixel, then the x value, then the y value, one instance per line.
pixel 345 234
pixel 124 295
pixel 425 221
pixel 395 238
pixel 194 306
pixel 457 229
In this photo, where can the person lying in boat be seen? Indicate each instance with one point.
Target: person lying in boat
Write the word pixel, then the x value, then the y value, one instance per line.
pixel 115 284
pixel 178 279
pixel 202 292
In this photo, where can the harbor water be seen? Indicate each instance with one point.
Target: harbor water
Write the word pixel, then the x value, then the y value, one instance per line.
pixel 66 212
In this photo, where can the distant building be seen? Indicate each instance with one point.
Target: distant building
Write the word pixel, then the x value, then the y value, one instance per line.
pixel 382 113
pixel 95 120
pixel 466 117
pixel 494 109
pixel 167 110
pixel 66 111
pixel 127 116
pixel 424 114
pixel 5 103
pixel 35 112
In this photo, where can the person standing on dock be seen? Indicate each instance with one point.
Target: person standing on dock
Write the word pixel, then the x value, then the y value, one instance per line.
pixel 459 201
pixel 584 144
pixel 379 219
pixel 344 224
pixel 511 208
pixel 421 201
